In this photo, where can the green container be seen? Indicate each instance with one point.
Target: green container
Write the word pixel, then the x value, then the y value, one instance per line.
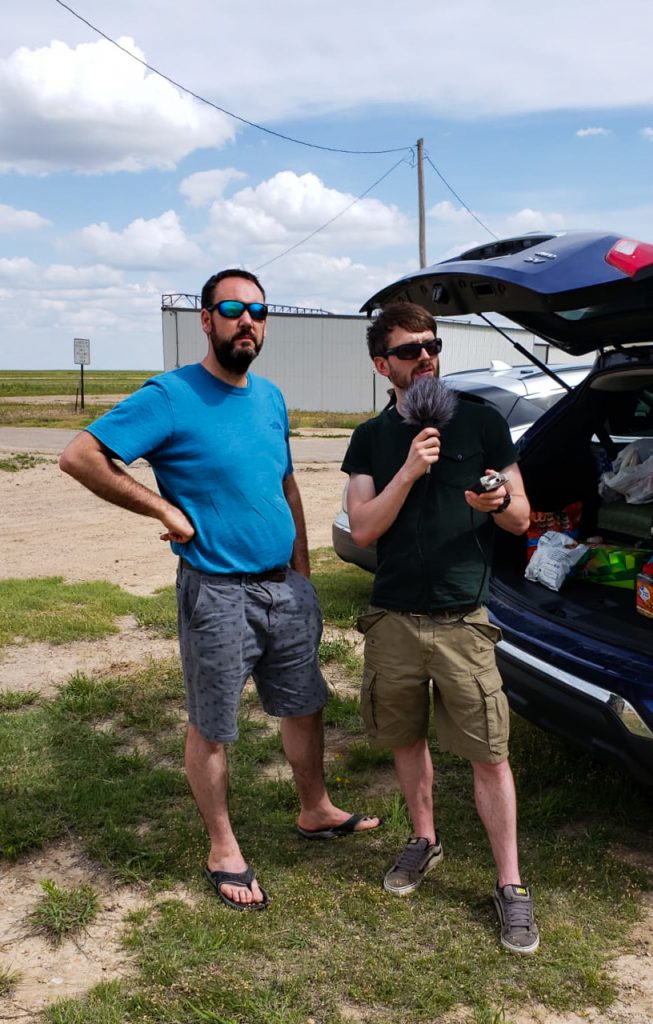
pixel 613 566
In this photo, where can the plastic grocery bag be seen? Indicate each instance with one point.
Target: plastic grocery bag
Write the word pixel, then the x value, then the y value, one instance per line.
pixel 553 559
pixel 631 474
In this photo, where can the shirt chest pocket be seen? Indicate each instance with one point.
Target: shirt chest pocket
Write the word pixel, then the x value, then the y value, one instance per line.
pixel 461 466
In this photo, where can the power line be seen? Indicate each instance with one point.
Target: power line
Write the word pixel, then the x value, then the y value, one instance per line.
pixel 461 201
pixel 317 230
pixel 222 110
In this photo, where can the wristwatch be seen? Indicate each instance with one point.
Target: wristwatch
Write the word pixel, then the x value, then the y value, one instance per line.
pixel 502 507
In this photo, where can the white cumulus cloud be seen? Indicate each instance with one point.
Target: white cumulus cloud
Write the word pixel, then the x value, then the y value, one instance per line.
pixel 446 213
pixel 288 207
pixel 157 243
pixel 203 188
pixel 21 220
pixel 647 133
pixel 92 109
pixel 526 220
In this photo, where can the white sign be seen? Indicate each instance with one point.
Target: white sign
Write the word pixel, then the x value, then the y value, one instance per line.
pixel 82 351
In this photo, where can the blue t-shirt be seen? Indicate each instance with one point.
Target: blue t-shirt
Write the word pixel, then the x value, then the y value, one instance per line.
pixel 220 454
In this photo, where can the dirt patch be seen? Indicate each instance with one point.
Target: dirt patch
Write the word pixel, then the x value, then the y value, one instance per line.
pixel 47 972
pixel 54 527
pixel 41 668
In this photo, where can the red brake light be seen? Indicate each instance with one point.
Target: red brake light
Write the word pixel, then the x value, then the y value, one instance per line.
pixel 630 256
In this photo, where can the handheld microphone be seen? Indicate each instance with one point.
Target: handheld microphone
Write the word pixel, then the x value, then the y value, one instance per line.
pixel 429 402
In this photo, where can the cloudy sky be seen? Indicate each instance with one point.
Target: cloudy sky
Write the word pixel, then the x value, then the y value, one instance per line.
pixel 117 185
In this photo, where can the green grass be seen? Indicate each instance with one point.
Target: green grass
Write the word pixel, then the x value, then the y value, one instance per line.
pixel 64 912
pixel 302 419
pixel 35 383
pixel 14 700
pixel 59 416
pixel 102 761
pixel 344 590
pixel 51 611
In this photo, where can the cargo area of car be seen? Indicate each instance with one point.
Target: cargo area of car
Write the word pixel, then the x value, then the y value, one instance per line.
pixel 595 609
pixel 564 465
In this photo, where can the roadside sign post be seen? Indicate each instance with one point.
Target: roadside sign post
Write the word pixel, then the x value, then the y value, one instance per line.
pixel 82 356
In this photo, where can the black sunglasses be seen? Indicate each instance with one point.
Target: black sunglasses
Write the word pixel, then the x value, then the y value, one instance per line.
pixel 413 349
pixel 232 309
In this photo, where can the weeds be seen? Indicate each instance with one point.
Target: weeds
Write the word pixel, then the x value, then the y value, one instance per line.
pixel 20 460
pixel 8 981
pixel 63 913
pixel 14 700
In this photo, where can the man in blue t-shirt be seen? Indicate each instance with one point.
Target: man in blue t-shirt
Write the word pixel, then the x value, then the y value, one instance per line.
pixel 427 634
pixel 217 439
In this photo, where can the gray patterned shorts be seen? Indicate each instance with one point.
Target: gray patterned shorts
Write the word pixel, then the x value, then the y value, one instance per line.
pixel 232 627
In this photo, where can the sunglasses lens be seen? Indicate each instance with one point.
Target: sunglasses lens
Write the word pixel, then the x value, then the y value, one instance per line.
pixel 231 309
pixel 414 351
pixel 408 351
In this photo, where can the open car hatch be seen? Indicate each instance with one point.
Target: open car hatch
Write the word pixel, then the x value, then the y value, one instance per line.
pixel 581 291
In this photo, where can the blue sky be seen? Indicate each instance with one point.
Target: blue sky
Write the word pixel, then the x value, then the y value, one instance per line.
pixel 116 187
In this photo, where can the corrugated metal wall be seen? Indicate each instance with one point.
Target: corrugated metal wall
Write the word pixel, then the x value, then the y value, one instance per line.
pixel 321 362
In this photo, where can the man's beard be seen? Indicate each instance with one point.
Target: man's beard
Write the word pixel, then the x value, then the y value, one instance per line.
pixel 403 378
pixel 234 360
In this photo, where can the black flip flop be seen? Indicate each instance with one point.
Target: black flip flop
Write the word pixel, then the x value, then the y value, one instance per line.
pixel 347 828
pixel 243 878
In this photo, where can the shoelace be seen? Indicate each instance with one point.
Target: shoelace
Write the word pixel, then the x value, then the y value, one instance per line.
pixel 411 856
pixel 519 914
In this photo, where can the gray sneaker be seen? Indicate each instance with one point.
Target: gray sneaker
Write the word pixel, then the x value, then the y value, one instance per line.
pixel 514 904
pixel 417 858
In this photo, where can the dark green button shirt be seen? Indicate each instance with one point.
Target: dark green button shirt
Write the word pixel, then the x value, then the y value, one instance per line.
pixel 437 553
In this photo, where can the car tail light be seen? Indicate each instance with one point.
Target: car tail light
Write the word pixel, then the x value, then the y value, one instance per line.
pixel 631 257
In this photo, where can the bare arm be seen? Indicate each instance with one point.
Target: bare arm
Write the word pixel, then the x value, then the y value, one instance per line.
pixel 372 514
pixel 299 559
pixel 90 463
pixel 516 517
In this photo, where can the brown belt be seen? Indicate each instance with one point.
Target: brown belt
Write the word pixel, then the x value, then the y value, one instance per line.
pixel 269 576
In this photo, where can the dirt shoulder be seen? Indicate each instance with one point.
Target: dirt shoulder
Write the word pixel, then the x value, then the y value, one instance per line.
pixel 54 527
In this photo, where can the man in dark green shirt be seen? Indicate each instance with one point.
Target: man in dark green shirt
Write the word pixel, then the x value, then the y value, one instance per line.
pixel 410 491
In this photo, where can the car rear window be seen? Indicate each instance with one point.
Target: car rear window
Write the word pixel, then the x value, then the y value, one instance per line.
pixel 631 413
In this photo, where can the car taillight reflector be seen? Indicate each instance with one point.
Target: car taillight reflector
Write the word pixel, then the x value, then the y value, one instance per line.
pixel 630 256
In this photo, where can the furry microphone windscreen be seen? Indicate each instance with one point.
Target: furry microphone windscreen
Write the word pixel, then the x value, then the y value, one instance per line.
pixel 428 402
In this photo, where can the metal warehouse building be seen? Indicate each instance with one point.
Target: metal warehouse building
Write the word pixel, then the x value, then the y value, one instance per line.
pixel 320 360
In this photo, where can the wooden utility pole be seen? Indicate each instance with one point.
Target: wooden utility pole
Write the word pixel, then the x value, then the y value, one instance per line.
pixel 420 193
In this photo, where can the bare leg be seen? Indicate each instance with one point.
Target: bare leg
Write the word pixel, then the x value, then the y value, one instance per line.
pixel 303 744
pixel 208 777
pixel 414 769
pixel 496 803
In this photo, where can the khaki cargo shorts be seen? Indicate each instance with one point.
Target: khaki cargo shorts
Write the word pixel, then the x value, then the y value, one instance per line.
pixel 452 650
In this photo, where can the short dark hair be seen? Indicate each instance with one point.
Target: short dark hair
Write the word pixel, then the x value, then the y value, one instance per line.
pixel 408 315
pixel 208 291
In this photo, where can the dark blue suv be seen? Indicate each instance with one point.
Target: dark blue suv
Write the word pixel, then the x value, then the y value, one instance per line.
pixel 577 661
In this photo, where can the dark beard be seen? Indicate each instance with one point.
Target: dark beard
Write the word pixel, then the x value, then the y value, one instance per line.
pixel 236 362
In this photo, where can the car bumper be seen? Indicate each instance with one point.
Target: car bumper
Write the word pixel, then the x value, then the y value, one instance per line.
pixel 347 550
pixel 599 720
